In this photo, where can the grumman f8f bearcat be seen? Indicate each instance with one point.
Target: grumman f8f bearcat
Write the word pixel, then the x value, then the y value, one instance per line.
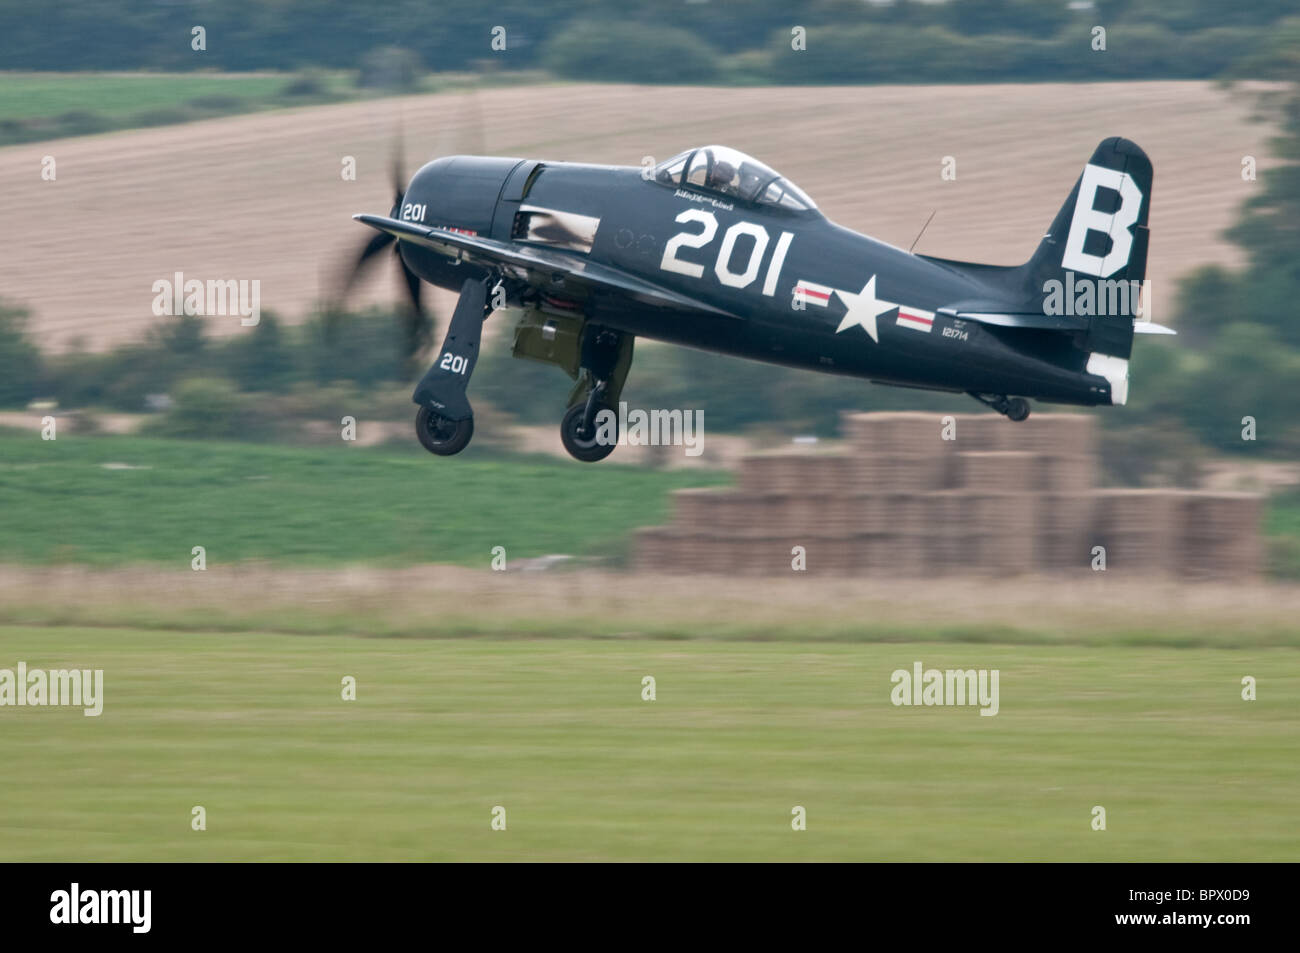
pixel 714 250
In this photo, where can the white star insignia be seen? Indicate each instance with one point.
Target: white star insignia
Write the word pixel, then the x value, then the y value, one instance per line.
pixel 863 309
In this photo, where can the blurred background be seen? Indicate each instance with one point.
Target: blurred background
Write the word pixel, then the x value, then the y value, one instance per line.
pixel 138 140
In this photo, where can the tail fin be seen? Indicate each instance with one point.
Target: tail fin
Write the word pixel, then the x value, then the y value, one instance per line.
pixel 1099 238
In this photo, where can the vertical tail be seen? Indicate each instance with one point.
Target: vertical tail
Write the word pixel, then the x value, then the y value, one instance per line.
pixel 1094 255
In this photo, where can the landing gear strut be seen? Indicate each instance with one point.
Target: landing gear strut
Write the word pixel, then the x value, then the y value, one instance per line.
pixel 1013 408
pixel 445 421
pixel 606 357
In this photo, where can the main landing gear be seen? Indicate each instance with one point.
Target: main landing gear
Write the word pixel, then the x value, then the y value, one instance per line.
pixel 1013 408
pixel 586 434
pixel 597 357
pixel 583 438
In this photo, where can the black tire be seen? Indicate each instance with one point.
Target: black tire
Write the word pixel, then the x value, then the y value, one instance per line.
pixel 1017 409
pixel 586 449
pixel 442 436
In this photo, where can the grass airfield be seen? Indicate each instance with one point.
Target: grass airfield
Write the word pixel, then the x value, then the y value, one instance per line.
pixel 252 727
pixel 478 689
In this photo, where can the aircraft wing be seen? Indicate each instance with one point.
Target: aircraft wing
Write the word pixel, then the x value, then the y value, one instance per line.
pixel 549 269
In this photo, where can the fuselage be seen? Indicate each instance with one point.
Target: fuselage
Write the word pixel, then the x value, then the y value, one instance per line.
pixel 801 290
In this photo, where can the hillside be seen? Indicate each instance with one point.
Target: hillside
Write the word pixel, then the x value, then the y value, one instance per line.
pixel 260 196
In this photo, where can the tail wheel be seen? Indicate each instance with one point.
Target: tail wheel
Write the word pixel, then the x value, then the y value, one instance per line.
pixel 441 435
pixel 1013 408
pixel 582 445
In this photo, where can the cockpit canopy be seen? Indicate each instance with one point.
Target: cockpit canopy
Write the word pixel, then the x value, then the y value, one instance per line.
pixel 728 172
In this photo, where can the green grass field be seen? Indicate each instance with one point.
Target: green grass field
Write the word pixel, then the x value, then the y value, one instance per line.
pixel 309 506
pixel 40 106
pixel 252 728
pixel 36 106
pixel 1283 530
pixel 118 95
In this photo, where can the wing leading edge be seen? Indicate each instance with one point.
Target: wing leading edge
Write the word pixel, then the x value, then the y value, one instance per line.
pixel 543 267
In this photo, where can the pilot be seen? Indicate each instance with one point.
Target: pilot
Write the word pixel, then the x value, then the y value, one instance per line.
pixel 721 175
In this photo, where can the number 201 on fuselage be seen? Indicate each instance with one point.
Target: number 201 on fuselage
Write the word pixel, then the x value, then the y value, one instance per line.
pixel 722 265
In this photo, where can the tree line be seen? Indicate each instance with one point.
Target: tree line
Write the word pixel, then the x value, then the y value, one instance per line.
pixel 723 41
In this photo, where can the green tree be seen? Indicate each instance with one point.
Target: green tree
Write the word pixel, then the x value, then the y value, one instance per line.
pixel 263 359
pixel 1242 348
pixel 20 359
pixel 622 51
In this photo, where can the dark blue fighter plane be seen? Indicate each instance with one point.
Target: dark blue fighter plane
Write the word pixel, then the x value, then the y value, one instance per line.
pixel 714 250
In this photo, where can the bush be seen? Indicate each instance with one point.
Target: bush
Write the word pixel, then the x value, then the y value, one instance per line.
pixel 1283 556
pixel 630 53
pixel 20 359
pixel 748 68
pixel 1206 300
pixel 1246 373
pixel 364 347
pixel 162 116
pixel 213 408
pixel 1163 453
pixel 263 359
pixel 309 84
pixel 390 67
pixel 218 103
pixel 81 122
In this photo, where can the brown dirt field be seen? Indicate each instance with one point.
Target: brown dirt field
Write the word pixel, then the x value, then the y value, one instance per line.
pixel 260 196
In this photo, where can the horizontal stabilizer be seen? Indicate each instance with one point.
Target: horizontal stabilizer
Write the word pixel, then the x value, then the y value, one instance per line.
pixel 1028 319
pixel 1149 327
pixel 1047 322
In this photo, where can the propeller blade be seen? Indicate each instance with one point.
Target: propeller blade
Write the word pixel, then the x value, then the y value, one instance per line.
pixel 377 243
pixel 399 170
pixel 419 327
pixel 334 305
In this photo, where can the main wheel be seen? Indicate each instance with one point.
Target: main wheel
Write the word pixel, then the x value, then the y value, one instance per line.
pixel 440 435
pixel 1017 408
pixel 585 447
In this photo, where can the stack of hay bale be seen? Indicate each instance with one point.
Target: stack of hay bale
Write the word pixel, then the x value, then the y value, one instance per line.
pixel 1187 533
pixel 1220 538
pixel 915 493
pixel 899 465
pixel 1139 529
